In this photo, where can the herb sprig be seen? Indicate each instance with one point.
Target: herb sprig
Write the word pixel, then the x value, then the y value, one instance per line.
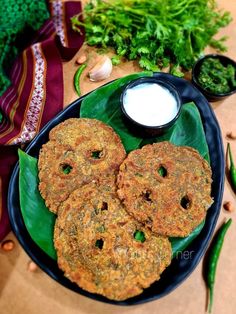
pixel 158 33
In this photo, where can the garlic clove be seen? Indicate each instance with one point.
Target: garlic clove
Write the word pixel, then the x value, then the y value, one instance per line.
pixel 101 70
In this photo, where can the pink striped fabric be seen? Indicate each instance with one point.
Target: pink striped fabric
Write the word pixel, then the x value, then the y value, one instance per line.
pixel 36 93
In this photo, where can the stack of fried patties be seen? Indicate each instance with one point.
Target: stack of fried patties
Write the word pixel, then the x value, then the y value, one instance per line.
pixel 116 212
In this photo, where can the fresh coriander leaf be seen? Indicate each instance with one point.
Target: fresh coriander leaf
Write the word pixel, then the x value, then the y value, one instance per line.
pixel 155 33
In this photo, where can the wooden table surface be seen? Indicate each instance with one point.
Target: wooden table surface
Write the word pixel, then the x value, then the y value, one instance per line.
pixel 22 291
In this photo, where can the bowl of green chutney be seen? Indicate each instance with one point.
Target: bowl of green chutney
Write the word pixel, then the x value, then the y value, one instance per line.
pixel 215 76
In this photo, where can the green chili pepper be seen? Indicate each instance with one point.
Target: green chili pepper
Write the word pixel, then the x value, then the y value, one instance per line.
pixel 232 168
pixel 213 259
pixel 77 78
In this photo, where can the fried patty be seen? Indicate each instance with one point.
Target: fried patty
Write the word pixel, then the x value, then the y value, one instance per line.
pixel 79 151
pixel 166 187
pixel 103 249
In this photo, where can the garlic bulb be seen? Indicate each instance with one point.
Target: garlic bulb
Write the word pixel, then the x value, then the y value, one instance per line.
pixel 101 70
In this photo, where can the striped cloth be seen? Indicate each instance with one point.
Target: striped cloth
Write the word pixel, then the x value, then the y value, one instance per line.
pixel 36 93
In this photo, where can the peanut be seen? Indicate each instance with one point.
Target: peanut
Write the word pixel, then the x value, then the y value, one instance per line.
pixel 32 267
pixel 228 206
pixel 7 245
pixel 231 135
pixel 81 59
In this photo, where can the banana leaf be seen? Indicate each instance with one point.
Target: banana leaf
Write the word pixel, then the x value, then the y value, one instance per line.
pixel 39 221
pixel 180 244
pixel 182 133
pixel 103 104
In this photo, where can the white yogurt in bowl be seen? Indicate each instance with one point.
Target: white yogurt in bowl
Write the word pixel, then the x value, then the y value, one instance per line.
pixel 150 105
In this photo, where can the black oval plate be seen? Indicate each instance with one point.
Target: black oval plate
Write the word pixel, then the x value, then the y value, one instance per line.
pixel 180 268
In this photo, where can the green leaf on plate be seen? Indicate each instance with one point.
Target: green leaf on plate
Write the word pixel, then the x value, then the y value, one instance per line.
pixel 39 221
pixel 103 104
pixel 180 244
pixel 188 131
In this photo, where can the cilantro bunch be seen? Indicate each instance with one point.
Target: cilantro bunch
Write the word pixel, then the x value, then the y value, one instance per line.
pixel 157 33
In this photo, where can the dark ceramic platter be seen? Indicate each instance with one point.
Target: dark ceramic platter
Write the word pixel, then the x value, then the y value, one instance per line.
pixel 180 268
